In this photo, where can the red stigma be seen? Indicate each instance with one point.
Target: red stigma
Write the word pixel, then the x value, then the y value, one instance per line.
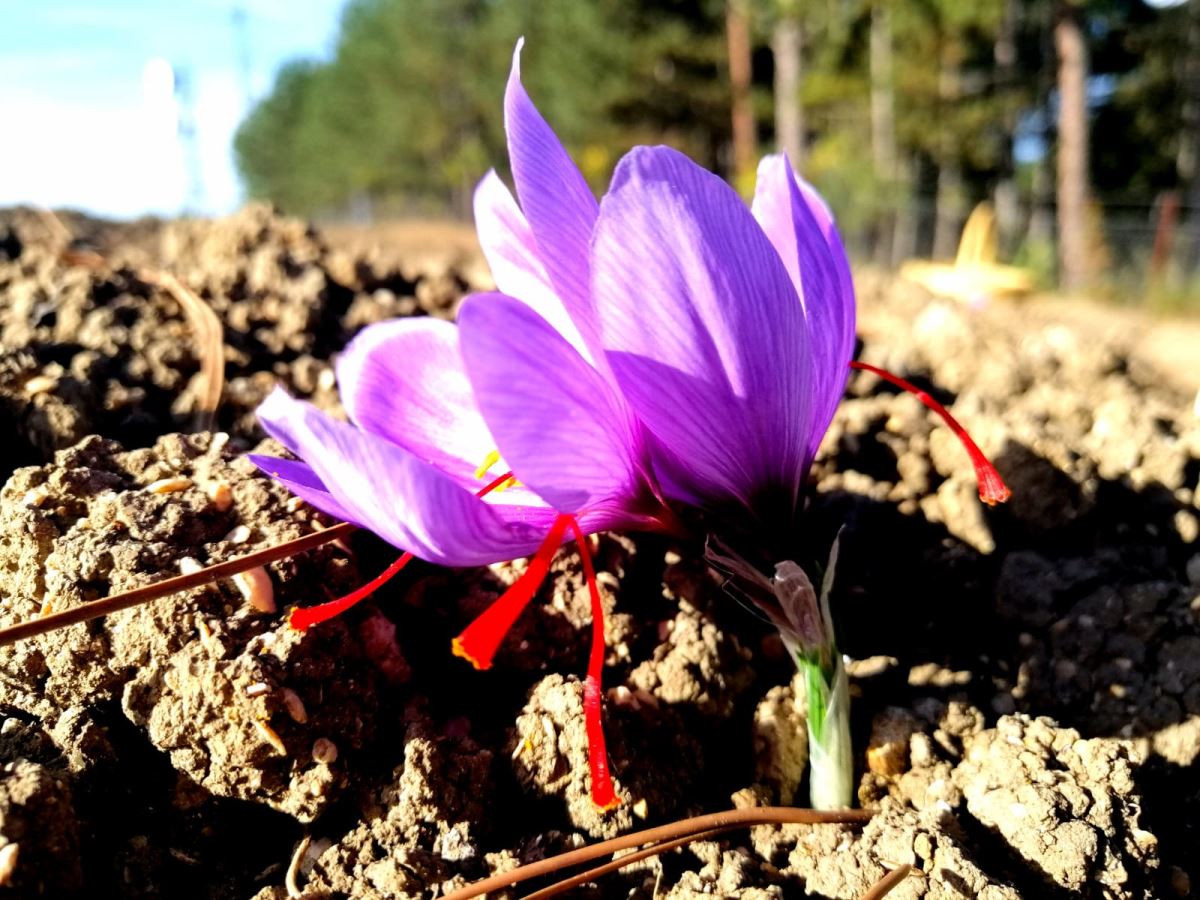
pixel 603 794
pixel 992 489
pixel 306 618
pixel 480 640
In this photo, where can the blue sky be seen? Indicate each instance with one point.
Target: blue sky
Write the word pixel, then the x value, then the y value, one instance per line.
pixel 87 109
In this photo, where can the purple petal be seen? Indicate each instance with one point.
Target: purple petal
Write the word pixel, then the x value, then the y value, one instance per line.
pixel 303 482
pixel 404 381
pixel 512 255
pixel 555 419
pixel 556 201
pixel 801 227
pixel 702 328
pixel 405 501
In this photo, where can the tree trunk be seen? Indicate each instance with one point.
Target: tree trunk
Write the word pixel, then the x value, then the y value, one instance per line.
pixel 951 212
pixel 904 233
pixel 737 31
pixel 1187 161
pixel 1040 231
pixel 883 128
pixel 1072 149
pixel 1005 196
pixel 883 93
pixel 787 46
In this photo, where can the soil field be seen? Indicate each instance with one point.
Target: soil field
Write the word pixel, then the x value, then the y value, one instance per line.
pixel 1026 679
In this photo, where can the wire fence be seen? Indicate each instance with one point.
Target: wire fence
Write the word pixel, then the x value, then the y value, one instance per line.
pixel 1142 253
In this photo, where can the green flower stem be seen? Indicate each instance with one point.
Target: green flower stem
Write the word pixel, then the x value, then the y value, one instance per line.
pixel 792 604
pixel 831 765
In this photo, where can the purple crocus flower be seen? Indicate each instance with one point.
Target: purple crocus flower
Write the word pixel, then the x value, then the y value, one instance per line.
pixel 665 346
pixel 664 350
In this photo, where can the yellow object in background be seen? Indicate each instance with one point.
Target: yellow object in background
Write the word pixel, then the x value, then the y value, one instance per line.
pixel 974 277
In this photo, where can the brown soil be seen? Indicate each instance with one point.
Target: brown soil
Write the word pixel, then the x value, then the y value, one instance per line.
pixel 1026 679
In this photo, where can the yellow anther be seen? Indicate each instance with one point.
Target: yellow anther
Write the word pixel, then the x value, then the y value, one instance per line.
pixel 488 461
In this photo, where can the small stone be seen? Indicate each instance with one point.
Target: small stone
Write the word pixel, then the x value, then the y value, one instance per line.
pixel 1181 882
pixel 169 485
pixel 1193 570
pixel 36 497
pixel 189 565
pixel 8 863
pixel 324 752
pixel 1187 526
pixel 221 495
pixel 238 535
pixel 294 706
pixel 256 587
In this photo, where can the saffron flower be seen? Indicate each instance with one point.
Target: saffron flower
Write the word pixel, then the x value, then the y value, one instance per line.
pixel 663 355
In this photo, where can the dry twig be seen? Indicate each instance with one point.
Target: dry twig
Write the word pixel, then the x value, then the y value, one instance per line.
pixel 884 885
pixel 292 880
pixel 620 862
pixel 146 593
pixel 210 345
pixel 682 831
pixel 204 323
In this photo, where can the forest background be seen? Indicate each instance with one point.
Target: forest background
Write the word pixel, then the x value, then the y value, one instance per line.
pixel 1078 121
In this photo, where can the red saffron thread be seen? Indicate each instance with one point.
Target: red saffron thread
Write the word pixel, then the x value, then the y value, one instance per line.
pixel 603 794
pixel 992 489
pixel 305 618
pixel 479 641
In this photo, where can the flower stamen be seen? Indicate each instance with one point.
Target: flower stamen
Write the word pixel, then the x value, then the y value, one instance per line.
pixel 304 618
pixel 488 461
pixel 992 489
pixel 484 467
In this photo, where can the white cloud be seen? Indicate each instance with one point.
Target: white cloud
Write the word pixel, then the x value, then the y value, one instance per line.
pixel 107 160
pixel 76 130
pixel 218 110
